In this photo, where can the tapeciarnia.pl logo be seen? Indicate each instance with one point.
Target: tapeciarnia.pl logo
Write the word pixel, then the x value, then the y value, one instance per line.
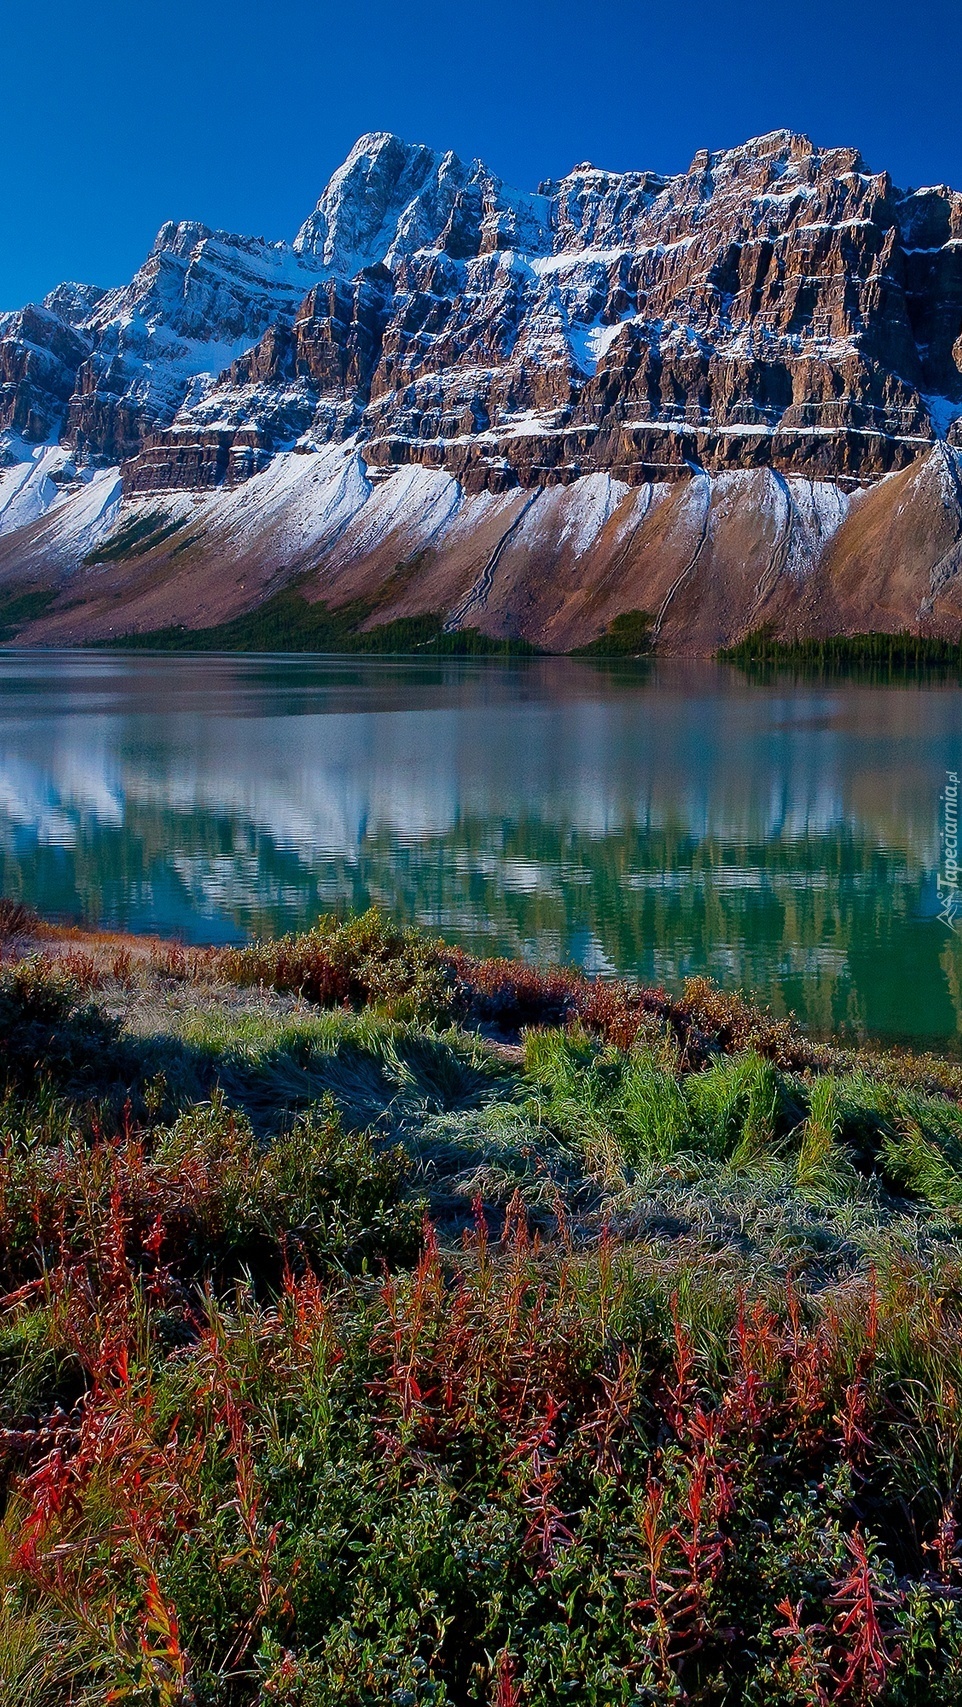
pixel 950 901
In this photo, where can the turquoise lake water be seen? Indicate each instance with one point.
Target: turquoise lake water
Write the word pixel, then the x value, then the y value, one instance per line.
pixel 660 821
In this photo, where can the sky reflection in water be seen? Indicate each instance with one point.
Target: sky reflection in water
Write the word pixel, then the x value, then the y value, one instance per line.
pixel 662 822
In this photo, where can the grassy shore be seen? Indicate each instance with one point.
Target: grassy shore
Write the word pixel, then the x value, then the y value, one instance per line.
pixel 384 1325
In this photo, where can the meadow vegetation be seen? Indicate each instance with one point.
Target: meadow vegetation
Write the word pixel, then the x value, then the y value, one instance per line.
pixel 626 636
pixel 384 1325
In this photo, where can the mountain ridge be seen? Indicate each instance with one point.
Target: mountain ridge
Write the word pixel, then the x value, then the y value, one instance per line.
pixel 727 372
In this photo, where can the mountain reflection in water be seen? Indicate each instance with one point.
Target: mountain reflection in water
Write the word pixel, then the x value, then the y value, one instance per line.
pixel 661 821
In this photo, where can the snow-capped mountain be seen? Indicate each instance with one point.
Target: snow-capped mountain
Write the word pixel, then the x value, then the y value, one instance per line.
pixel 607 378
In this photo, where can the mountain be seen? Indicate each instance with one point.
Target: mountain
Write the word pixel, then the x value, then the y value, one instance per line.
pixel 725 397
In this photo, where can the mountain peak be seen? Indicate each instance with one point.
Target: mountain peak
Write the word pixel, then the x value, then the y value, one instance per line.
pixel 384 183
pixel 376 142
pixel 774 142
pixel 180 237
pixel 73 303
pixel 780 148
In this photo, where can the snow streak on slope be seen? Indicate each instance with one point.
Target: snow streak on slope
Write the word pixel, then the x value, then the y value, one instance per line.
pixel 79 507
pixel 299 503
pixel 26 489
pixel 591 504
pixel 412 508
pixel 590 344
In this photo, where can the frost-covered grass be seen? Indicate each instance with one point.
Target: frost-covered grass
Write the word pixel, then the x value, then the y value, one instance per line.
pixel 381 1324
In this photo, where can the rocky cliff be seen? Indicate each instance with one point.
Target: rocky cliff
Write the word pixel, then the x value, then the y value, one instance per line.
pixel 725 397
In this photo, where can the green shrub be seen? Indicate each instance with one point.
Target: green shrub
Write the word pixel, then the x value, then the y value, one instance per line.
pixel 314 1193
pixel 363 962
pixel 50 1034
pixel 626 636
pixel 338 1197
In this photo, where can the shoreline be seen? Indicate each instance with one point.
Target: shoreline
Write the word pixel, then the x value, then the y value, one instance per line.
pixel 100 948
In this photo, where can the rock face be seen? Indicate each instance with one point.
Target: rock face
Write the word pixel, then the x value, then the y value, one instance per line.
pixel 775 305
pixel 739 365
pixel 40 356
pixel 127 360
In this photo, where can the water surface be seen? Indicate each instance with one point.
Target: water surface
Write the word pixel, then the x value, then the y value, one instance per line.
pixel 660 821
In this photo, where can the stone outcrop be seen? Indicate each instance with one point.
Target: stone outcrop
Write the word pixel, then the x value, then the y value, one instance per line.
pixel 40 356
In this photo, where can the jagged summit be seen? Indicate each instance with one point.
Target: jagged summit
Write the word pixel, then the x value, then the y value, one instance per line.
pixel 384 181
pixel 771 143
pixel 774 261
pixel 73 303
pixel 391 199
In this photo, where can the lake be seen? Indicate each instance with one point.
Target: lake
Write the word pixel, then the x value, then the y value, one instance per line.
pixel 658 820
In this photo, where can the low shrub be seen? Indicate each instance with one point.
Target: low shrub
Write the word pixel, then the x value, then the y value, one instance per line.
pixel 729 1022
pixel 365 962
pixel 511 996
pixel 16 919
pixel 203 1200
pixel 577 1474
pixel 50 1033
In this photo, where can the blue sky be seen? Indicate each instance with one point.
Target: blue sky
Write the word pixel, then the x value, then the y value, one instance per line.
pixel 118 114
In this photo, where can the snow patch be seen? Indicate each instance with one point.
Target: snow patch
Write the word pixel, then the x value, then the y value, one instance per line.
pixel 79 508
pixel 818 510
pixel 26 489
pixel 303 501
pixel 589 504
pixel 421 502
pixel 83 518
pixel 590 344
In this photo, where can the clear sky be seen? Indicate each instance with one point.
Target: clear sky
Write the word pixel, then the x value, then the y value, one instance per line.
pixel 119 114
